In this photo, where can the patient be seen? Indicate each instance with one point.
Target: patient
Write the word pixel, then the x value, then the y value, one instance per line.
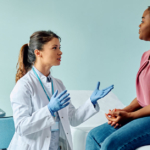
pixel 128 128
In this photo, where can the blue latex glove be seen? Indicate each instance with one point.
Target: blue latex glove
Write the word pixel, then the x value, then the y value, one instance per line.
pixel 98 94
pixel 58 102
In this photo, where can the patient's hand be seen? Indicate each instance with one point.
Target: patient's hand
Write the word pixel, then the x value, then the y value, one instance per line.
pixel 112 123
pixel 120 117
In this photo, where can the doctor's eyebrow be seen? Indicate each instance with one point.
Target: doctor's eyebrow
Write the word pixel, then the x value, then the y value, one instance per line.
pixel 56 45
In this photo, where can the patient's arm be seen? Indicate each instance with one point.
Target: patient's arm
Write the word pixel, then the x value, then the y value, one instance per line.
pixel 134 105
pixel 123 117
pixel 143 112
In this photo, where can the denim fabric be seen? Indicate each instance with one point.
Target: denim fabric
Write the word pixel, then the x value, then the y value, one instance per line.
pixel 128 137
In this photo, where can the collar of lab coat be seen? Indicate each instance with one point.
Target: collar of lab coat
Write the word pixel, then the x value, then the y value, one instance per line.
pixel 41 76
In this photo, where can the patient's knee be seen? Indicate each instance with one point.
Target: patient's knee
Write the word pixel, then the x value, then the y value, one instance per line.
pixel 89 135
pixel 109 144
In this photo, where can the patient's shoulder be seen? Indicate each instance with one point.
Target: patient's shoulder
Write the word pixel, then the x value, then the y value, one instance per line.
pixel 145 56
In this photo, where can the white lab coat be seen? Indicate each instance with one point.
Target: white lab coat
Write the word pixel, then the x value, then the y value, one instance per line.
pixel 33 120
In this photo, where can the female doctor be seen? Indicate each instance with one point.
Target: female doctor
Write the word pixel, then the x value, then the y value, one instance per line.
pixel 42 109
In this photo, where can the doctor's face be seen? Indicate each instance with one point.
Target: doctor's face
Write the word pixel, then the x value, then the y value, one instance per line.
pixel 51 53
pixel 144 31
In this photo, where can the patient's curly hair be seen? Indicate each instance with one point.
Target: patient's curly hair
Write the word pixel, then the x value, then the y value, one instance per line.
pixel 27 56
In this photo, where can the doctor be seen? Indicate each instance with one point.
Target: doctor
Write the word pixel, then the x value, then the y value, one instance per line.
pixel 42 109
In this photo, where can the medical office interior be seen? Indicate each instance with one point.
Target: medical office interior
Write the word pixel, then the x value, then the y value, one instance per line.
pixel 99 41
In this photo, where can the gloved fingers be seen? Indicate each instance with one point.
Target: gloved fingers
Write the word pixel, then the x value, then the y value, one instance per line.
pixel 98 84
pixel 62 93
pixel 63 106
pixel 64 101
pixel 110 87
pixel 55 94
pixel 63 97
pixel 106 92
pixel 100 94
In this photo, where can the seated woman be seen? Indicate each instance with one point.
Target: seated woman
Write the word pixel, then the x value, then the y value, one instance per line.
pixel 131 124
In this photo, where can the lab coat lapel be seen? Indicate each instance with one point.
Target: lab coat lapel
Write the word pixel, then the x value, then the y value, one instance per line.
pixel 63 114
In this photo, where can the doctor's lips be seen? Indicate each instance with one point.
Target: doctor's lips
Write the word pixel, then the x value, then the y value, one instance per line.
pixel 59 59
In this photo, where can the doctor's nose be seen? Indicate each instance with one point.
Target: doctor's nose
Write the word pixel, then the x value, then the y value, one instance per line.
pixel 60 52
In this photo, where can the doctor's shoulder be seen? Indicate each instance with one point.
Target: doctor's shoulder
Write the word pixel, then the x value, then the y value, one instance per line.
pixel 23 86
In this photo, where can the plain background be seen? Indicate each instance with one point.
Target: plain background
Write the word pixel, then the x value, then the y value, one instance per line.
pixel 100 42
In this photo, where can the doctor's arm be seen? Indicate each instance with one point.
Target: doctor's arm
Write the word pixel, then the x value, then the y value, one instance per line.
pixel 90 108
pixel 84 112
pixel 26 121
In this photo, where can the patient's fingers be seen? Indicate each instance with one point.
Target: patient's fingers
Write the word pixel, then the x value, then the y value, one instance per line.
pixel 113 123
pixel 109 111
pixel 112 118
pixel 117 125
pixel 109 122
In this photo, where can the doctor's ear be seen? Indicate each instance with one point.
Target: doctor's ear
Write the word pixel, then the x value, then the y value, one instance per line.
pixel 37 53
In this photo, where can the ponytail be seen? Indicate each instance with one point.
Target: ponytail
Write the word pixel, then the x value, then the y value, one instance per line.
pixel 23 65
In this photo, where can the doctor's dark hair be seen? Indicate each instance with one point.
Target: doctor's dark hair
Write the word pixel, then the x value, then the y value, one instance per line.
pixel 27 57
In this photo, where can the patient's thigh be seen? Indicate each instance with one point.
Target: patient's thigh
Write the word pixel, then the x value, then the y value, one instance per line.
pixel 130 136
pixel 101 132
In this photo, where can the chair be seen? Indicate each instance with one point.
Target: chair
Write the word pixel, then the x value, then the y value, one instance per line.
pixel 7 131
pixel 2 113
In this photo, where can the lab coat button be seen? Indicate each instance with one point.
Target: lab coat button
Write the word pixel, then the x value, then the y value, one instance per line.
pixel 61 117
pixel 47 136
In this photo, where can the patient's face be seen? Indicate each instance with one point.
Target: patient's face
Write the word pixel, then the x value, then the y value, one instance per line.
pixel 144 30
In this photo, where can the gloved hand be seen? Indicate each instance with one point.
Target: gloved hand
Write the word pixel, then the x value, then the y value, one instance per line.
pixel 98 94
pixel 58 102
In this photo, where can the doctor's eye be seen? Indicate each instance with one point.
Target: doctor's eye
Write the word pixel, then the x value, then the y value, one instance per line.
pixel 54 48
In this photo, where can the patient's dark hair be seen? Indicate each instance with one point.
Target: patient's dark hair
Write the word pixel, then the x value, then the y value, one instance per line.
pixel 27 56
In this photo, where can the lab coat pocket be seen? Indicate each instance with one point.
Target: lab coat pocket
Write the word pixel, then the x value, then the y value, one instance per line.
pixel 19 144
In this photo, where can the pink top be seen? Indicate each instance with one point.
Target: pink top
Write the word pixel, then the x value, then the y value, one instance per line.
pixel 143 81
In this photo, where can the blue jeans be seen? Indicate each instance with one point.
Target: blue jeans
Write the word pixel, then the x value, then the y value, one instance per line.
pixel 128 137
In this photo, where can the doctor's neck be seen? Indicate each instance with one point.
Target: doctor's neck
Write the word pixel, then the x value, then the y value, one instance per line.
pixel 45 70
